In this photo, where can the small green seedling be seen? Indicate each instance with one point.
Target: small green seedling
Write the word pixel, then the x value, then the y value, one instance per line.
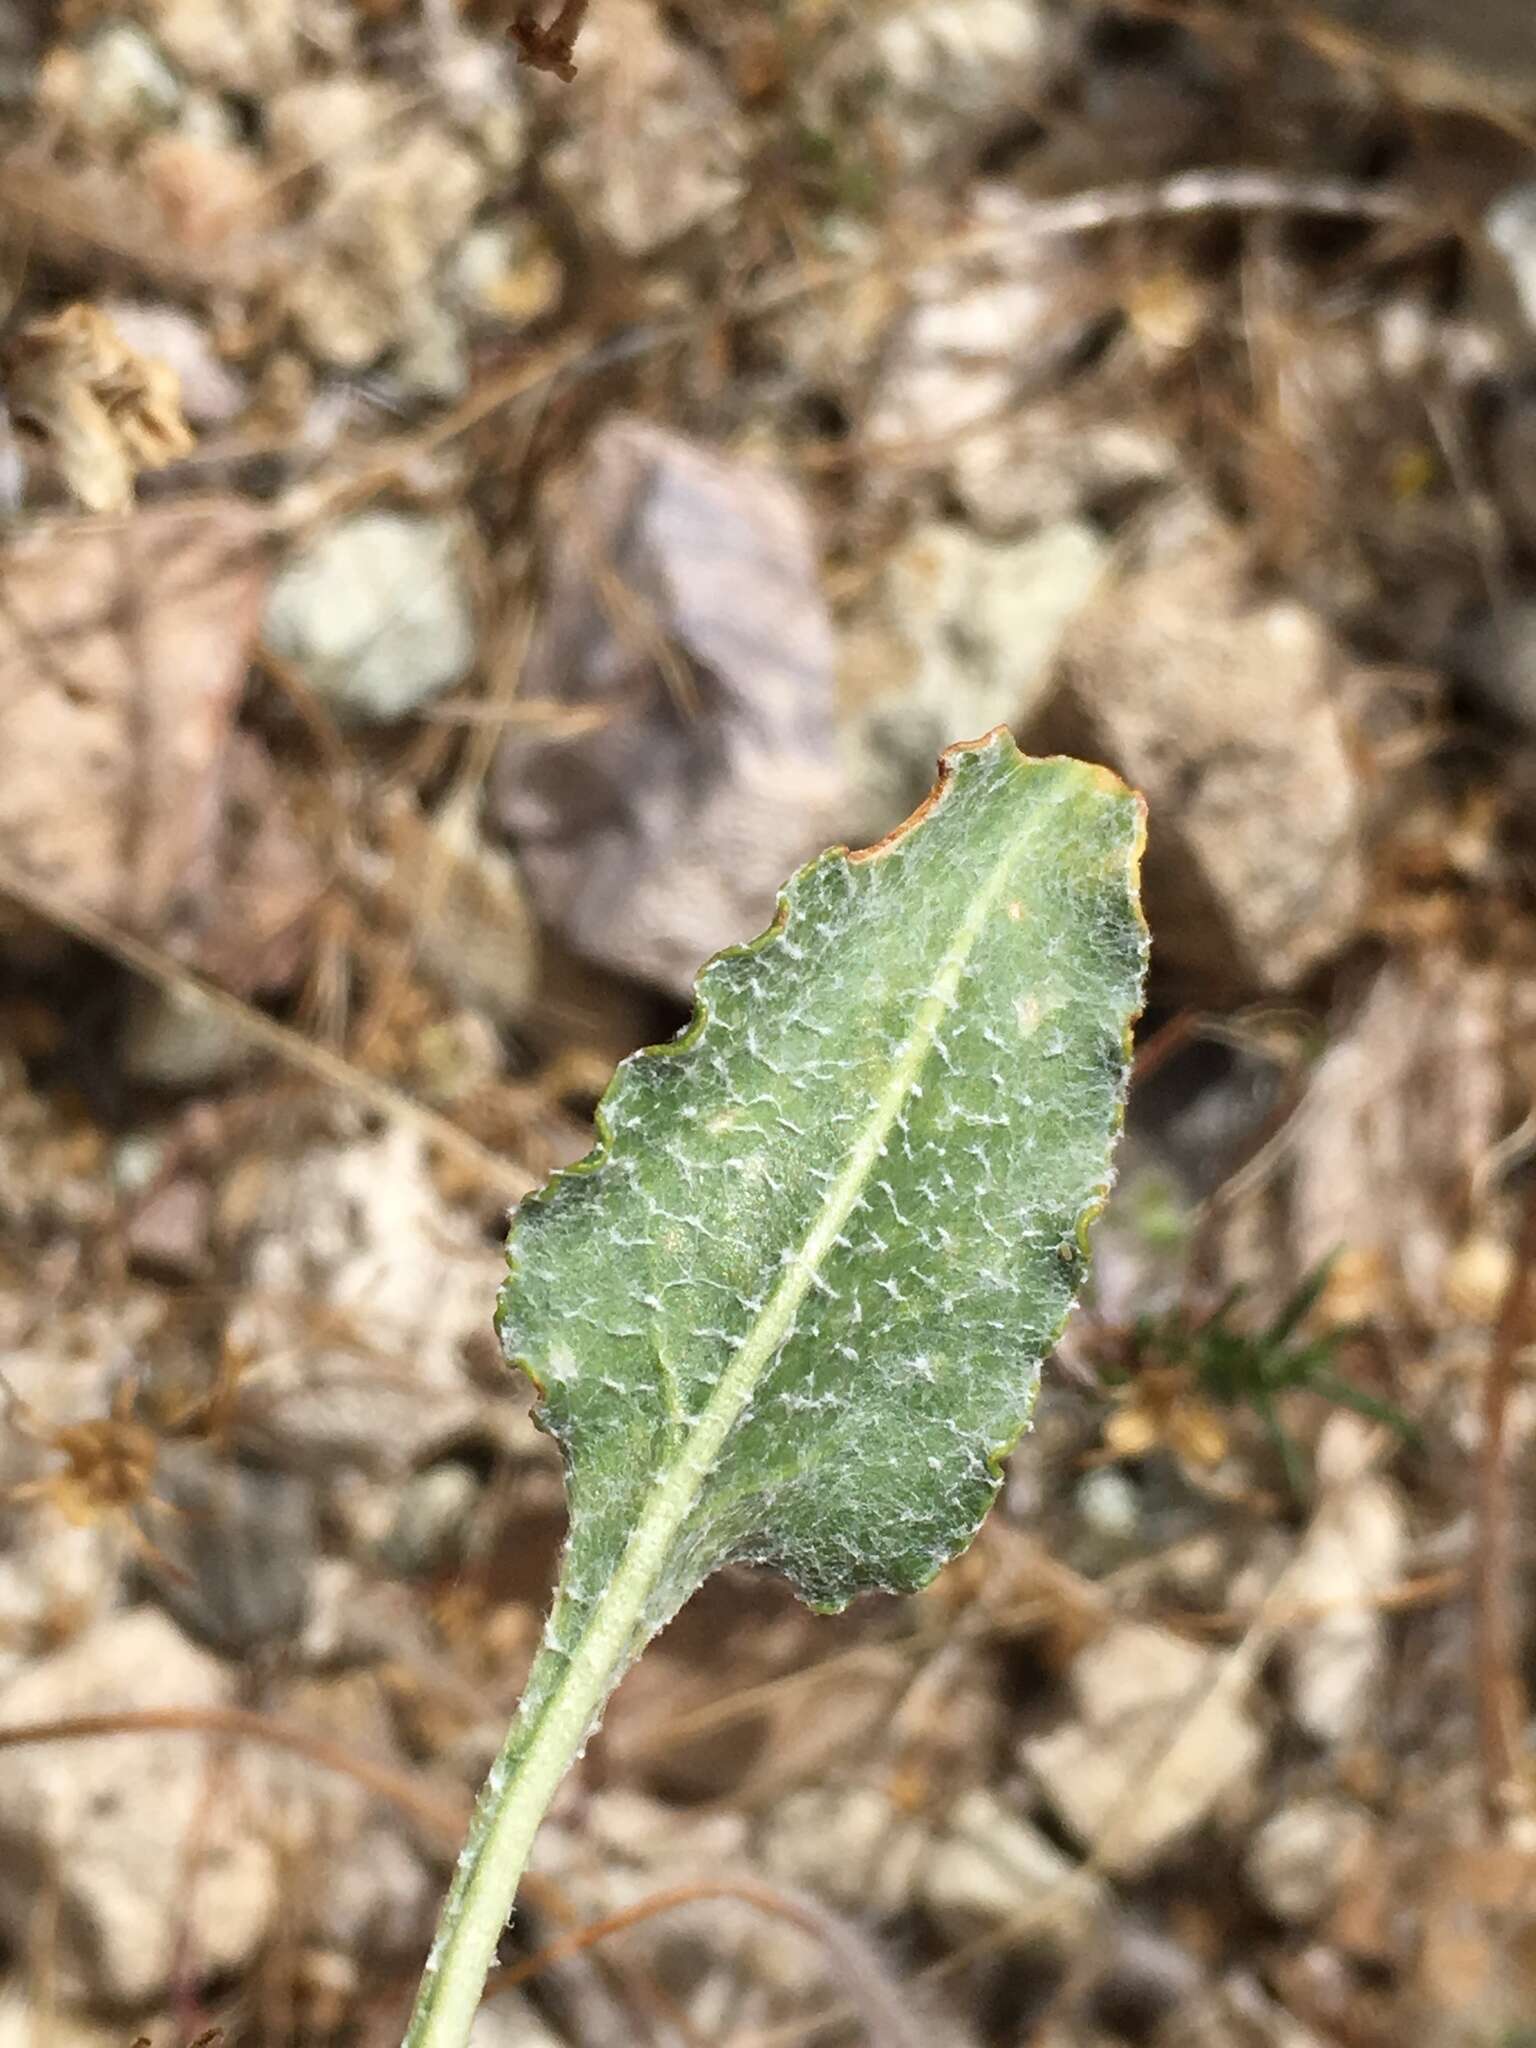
pixel 791 1310
pixel 1233 1367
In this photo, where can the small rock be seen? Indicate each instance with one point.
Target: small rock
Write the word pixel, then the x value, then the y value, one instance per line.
pixel 167 1234
pixel 54 1576
pixel 684 606
pixel 507 2020
pixel 24 2014
pixel 244 47
pixel 394 203
pixel 177 1039
pixel 1219 705
pixel 990 1870
pixel 1300 1859
pixel 1477 1276
pixel 358 1236
pixel 360 1887
pixel 1145 1980
pixel 211 393
pixel 431 1521
pixel 1404 1104
pixel 432 358
pixel 619 1848
pixel 1054 461
pixel 122 654
pixel 214 201
pixel 848 1845
pixel 946 72
pixel 1352 1554
pixel 979 331
pixel 471 79
pixel 649 145
pixel 627 1827
pixel 959 639
pixel 376 614
pixel 507 273
pixel 379 1899
pixel 469 921
pixel 1495 656
pixel 99 1835
pixel 1157 1745
pixel 1109 1505
pixel 457 1057
pixel 124 86
pixel 232 1566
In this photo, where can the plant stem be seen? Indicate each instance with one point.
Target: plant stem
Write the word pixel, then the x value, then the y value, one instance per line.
pixel 541 1745
pixel 588 1646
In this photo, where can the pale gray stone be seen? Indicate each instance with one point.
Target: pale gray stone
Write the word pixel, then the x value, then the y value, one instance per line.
pixel 685 610
pixel 375 613
pixel 990 1869
pixel 102 1829
pixel 1298 1861
pixel 1155 1746
pixel 958 638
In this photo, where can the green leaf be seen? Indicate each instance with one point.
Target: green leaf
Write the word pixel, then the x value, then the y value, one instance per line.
pixel 792 1309
pixel 829 1233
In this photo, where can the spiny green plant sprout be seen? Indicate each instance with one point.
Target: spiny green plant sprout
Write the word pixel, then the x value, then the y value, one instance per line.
pixel 791 1310
pixel 1235 1367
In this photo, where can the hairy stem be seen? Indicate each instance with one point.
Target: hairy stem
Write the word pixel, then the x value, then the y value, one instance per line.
pixel 564 1696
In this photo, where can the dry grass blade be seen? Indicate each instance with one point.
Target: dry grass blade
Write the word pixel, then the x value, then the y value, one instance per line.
pixel 439 1817
pixel 872 1995
pixel 486 1167
pixel 1501 1707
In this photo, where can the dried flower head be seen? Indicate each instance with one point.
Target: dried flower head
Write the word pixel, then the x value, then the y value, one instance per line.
pixel 108 1467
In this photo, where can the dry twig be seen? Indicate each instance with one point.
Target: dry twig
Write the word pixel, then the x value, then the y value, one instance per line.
pixel 867 1984
pixel 1500 1703
pixel 486 1167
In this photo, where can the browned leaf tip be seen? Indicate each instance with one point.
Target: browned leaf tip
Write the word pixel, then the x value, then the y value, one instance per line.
pixel 551 48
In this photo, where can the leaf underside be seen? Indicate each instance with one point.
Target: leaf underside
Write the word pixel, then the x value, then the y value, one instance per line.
pixel 806 1278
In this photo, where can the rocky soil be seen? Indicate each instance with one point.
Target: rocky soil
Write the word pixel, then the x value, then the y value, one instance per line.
pixel 466 533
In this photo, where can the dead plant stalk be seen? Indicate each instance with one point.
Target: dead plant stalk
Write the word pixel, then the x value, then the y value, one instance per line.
pixel 1501 1705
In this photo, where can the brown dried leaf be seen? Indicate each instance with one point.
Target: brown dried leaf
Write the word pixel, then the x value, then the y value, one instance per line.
pixel 103 412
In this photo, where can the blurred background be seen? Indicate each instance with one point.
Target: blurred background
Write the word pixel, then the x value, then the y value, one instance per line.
pixel 482 496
